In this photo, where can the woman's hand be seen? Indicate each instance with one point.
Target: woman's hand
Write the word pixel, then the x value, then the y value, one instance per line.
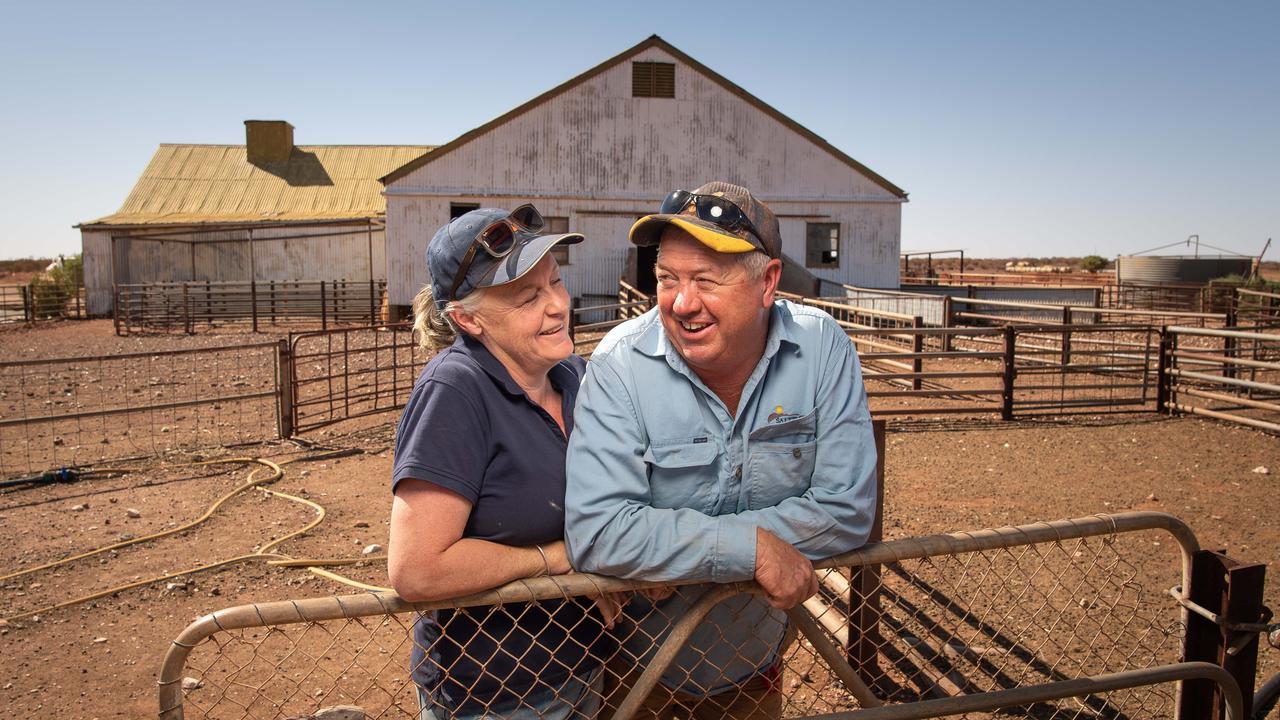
pixel 557 558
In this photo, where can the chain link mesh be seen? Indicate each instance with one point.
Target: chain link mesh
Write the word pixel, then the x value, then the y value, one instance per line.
pixel 923 625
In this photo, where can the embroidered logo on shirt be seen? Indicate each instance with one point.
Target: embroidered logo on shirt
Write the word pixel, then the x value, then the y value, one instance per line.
pixel 780 416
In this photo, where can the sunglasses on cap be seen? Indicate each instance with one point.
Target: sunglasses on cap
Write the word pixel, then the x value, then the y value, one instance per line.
pixel 498 239
pixel 712 208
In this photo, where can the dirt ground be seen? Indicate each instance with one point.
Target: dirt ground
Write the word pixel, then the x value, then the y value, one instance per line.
pixel 101 658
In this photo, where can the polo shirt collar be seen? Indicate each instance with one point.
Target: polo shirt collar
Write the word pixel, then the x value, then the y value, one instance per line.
pixel 561 375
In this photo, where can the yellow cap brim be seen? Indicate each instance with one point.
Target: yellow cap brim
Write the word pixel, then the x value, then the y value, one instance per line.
pixel 718 241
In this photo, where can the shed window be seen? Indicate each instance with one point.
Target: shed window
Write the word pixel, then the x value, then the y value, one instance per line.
pixel 822 245
pixel 558 226
pixel 653 79
pixel 457 210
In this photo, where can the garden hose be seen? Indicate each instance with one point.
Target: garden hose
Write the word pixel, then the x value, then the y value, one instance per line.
pixel 315 566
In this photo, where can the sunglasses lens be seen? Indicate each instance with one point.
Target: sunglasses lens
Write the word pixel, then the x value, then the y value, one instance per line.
pixel 528 217
pixel 675 202
pixel 497 238
pixel 719 211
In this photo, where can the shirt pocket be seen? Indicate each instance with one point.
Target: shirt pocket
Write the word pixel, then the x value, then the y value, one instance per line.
pixel 681 474
pixel 780 460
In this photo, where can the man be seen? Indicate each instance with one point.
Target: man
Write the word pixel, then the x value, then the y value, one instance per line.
pixel 724 437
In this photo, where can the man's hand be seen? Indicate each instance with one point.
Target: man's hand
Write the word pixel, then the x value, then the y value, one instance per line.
pixel 785 575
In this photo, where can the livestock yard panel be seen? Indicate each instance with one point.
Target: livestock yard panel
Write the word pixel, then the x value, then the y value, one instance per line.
pixel 1225 374
pixel 71 412
pixel 339 375
pixel 1048 619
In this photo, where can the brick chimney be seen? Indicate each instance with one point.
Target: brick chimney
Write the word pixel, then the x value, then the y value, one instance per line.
pixel 268 141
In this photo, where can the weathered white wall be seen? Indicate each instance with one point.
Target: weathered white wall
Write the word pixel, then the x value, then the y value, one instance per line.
pixel 309 253
pixel 596 149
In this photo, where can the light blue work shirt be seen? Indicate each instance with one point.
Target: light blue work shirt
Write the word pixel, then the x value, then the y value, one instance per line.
pixel 665 483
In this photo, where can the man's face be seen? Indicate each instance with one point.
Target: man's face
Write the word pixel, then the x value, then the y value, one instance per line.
pixel 715 314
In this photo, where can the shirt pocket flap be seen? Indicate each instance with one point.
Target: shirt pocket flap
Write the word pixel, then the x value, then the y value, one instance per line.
pixel 681 454
pixel 804 425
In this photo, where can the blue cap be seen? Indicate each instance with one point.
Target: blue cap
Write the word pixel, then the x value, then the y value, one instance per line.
pixel 451 242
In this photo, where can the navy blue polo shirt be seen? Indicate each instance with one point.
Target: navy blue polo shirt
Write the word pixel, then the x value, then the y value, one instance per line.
pixel 469 428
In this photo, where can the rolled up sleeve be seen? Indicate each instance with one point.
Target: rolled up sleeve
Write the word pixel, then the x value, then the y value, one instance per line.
pixel 611 527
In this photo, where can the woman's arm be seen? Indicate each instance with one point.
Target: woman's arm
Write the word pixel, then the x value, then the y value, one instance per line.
pixel 428 559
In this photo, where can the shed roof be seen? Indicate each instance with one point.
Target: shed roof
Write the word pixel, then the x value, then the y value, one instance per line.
pixel 198 184
pixel 651 41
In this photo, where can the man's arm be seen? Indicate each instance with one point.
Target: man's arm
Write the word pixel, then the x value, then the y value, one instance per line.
pixel 611 527
pixel 835 514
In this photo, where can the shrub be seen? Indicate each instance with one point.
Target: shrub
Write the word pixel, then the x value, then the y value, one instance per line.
pixel 1093 263
pixel 52 291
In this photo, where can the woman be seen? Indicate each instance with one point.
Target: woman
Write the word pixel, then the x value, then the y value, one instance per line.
pixel 479 480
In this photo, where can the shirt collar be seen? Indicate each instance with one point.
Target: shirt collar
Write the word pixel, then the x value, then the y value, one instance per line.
pixel 561 375
pixel 782 329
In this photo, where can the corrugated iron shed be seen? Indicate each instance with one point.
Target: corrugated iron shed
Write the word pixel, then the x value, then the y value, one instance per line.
pixel 200 184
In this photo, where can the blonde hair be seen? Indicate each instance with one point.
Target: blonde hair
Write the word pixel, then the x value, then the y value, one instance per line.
pixel 436 328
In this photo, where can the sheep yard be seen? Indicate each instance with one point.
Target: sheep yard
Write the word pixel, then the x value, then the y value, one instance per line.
pixel 101 657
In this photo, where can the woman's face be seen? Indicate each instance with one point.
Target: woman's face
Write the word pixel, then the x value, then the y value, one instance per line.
pixel 525 323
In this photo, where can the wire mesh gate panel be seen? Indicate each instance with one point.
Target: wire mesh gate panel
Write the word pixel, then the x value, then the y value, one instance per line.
pixel 339 375
pixel 1091 368
pixel 69 412
pixel 1014 616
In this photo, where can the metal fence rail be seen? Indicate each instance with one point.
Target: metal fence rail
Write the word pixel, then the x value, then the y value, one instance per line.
pixel 1048 619
pixel 68 412
pixel 23 304
pixel 1258 308
pixel 1225 374
pixel 185 306
pixel 335 375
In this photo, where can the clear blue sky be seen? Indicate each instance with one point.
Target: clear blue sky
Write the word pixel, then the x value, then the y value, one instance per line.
pixel 1019 129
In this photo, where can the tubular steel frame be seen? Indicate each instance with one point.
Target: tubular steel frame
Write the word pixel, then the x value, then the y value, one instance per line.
pixel 554 588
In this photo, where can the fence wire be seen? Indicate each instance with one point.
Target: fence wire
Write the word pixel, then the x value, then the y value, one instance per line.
pixel 71 412
pixel 905 621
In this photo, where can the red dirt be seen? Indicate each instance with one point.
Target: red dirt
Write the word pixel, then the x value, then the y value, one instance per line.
pixel 943 474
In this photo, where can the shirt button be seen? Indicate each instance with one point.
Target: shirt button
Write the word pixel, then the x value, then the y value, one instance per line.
pixel 737 473
pixel 795 453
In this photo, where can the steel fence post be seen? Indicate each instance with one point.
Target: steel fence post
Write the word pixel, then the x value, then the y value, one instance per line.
pixel 1162 370
pixel 946 322
pixel 863 649
pixel 574 304
pixel 1006 396
pixel 1066 336
pixel 917 347
pixel 1233 591
pixel 324 309
pixel 28 312
pixel 253 302
pixel 285 405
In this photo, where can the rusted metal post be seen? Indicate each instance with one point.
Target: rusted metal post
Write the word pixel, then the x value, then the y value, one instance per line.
pixel 324 309
pixel 863 602
pixel 285 405
pixel 917 347
pixel 574 304
pixel 186 308
pixel 253 302
pixel 946 322
pixel 1006 394
pixel 1162 369
pixel 1233 592
pixel 1066 336
pixel 373 307
pixel 28 313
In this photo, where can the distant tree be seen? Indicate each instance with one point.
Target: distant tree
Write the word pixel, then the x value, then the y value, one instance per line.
pixel 1093 263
